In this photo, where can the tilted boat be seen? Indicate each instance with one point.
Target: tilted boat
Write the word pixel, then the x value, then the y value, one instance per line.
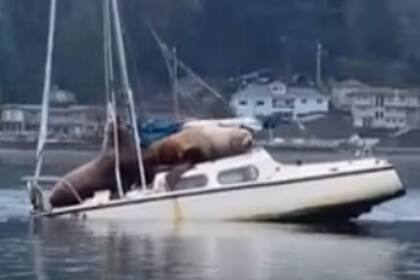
pixel 252 186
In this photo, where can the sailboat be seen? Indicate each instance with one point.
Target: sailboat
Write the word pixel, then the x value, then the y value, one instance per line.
pixel 246 187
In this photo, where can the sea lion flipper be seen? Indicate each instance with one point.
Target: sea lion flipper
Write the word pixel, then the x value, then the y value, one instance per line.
pixel 173 176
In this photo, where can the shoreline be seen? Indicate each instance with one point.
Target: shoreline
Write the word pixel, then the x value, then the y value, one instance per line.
pixel 397 150
pixel 52 157
pixel 380 150
pixel 73 157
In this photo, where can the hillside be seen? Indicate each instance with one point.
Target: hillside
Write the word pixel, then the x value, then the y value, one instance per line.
pixel 377 41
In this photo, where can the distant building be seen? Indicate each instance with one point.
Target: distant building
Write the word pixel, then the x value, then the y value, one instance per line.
pixel 385 108
pixel 67 120
pixel 341 90
pixel 275 98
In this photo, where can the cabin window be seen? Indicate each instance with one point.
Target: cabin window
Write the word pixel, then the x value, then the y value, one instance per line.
pixel 243 102
pixel 319 101
pixel 238 175
pixel 303 100
pixel 191 182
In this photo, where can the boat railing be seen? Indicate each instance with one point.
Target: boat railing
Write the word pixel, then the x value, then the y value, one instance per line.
pixel 364 151
pixel 38 186
pixel 49 179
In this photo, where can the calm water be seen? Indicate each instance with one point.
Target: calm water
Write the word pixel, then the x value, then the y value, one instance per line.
pixel 383 245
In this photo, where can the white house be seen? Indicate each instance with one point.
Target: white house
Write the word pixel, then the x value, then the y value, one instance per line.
pixel 67 119
pixel 386 108
pixel 308 101
pixel 341 90
pixel 263 100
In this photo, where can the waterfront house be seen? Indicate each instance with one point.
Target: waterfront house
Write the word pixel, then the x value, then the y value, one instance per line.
pixel 68 121
pixel 341 90
pixel 277 99
pixel 387 108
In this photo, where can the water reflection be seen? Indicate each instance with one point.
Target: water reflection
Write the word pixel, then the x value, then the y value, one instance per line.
pixel 83 249
pixel 66 249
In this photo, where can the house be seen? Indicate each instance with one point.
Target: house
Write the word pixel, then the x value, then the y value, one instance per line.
pixel 276 99
pixel 387 108
pixel 308 101
pixel 67 120
pixel 341 90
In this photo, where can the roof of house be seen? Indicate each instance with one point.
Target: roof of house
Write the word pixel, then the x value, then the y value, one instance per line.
pixel 385 91
pixel 60 96
pixel 263 91
pixel 254 90
pixel 350 83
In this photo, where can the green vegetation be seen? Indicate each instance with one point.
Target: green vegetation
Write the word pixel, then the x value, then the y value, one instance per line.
pixel 375 40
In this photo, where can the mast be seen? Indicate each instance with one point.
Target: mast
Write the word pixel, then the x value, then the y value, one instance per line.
pixel 106 40
pixel 127 89
pixel 110 92
pixel 318 63
pixel 43 132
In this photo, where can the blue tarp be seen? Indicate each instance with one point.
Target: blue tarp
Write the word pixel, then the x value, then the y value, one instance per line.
pixel 155 130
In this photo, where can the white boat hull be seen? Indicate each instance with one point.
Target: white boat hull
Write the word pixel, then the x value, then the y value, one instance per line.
pixel 328 197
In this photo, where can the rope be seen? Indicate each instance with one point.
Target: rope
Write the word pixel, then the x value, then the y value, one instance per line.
pixel 72 189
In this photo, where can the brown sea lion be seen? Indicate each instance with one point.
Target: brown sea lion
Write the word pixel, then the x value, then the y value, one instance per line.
pixel 193 145
pixel 99 173
pixel 176 153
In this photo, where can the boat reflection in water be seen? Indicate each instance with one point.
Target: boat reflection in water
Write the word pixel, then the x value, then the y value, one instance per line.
pixel 92 249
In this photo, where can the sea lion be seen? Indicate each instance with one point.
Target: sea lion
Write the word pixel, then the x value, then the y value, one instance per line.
pixel 198 144
pixel 178 153
pixel 99 173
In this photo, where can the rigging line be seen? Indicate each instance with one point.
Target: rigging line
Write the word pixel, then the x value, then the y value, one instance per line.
pixel 201 81
pixel 171 67
pixel 175 86
pixel 127 89
pixel 187 69
pixel 188 97
pixel 105 29
pixel 172 74
pixel 131 54
pixel 192 109
pixel 167 53
pixel 117 164
pixel 43 133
